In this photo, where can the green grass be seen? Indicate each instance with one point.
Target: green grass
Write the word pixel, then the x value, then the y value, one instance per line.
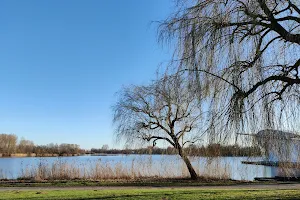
pixel 153 194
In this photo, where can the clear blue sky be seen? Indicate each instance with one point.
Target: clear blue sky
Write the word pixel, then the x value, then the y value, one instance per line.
pixel 62 61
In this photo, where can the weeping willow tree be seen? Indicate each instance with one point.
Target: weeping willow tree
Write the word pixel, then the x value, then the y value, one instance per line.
pixel 165 111
pixel 245 55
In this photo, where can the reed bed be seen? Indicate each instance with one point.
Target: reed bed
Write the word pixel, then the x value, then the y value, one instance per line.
pixel 137 168
pixel 3 174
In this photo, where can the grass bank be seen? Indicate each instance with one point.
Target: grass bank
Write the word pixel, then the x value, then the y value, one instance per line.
pixel 150 194
pixel 153 182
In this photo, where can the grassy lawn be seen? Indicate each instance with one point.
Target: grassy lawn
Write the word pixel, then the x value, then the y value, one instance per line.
pixel 153 194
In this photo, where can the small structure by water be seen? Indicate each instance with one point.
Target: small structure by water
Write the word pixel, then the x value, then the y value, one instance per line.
pixel 281 150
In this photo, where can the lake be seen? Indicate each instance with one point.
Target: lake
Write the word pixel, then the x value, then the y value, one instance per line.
pixel 130 166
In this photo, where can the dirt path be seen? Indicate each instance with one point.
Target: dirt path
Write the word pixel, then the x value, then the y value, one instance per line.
pixel 246 187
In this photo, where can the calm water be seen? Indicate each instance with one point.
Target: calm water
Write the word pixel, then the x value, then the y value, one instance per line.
pixel 164 165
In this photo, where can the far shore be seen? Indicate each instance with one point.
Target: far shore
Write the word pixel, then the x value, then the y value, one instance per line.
pixel 23 155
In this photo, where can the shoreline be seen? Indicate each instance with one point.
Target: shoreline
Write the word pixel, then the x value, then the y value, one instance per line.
pixel 55 155
pixel 38 155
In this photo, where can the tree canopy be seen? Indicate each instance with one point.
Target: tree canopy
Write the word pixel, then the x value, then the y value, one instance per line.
pixel 246 52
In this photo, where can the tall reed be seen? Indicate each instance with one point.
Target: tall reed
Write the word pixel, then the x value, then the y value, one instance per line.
pixel 137 168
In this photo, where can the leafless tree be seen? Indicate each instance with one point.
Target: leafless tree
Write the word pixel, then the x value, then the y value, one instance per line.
pixel 166 110
pixel 105 147
pixel 247 52
pixel 8 143
pixel 25 146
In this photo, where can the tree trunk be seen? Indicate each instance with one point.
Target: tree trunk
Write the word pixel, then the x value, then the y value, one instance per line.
pixel 188 164
pixel 190 167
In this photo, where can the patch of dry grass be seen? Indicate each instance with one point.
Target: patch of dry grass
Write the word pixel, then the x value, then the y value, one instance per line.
pixel 107 170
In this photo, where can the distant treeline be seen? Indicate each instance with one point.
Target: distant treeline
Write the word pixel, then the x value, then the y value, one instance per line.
pixel 193 150
pixel 9 145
